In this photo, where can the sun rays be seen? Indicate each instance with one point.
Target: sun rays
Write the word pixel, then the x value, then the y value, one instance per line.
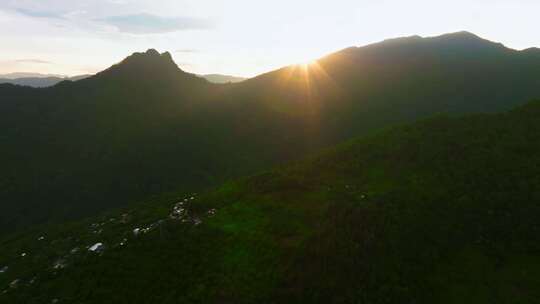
pixel 309 80
pixel 303 89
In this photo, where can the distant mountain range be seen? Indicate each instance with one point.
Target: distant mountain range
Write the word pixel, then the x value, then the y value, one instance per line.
pixel 217 78
pixel 30 75
pixel 37 80
pixel 102 142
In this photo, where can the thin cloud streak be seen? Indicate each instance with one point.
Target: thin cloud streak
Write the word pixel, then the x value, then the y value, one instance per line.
pixel 38 61
pixel 141 24
pixel 187 51
pixel 39 14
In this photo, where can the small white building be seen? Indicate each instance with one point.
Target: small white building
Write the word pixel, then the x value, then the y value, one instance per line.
pixel 14 283
pixel 97 247
pixel 60 264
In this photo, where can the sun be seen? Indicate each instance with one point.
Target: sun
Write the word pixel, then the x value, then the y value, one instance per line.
pixel 307 64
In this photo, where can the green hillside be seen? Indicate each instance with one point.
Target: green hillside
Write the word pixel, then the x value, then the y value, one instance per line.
pixel 144 127
pixel 441 211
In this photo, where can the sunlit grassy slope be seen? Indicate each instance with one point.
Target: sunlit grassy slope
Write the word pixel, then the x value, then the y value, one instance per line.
pixel 442 211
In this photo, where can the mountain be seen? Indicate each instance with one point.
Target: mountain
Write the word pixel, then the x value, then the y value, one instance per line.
pixel 40 82
pixel 444 210
pixel 218 78
pixel 144 127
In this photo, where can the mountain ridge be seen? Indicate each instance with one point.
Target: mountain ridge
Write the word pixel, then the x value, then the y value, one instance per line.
pixel 145 127
pixel 152 56
pixel 459 39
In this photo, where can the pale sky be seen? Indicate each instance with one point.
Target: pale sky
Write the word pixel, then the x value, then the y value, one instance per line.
pixel 237 37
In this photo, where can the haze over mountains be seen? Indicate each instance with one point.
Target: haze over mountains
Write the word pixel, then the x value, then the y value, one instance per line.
pixel 145 127
pixel 217 78
pixel 17 75
pixel 36 80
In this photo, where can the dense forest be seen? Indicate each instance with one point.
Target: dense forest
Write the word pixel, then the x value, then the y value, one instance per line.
pixel 444 210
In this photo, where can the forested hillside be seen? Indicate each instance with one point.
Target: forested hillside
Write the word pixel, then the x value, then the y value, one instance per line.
pixel 444 210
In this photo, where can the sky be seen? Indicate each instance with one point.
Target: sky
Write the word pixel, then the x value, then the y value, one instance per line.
pixel 236 37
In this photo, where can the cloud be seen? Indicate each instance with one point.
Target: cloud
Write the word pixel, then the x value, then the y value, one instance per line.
pixel 121 2
pixel 187 51
pixel 153 24
pixel 38 61
pixel 39 13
